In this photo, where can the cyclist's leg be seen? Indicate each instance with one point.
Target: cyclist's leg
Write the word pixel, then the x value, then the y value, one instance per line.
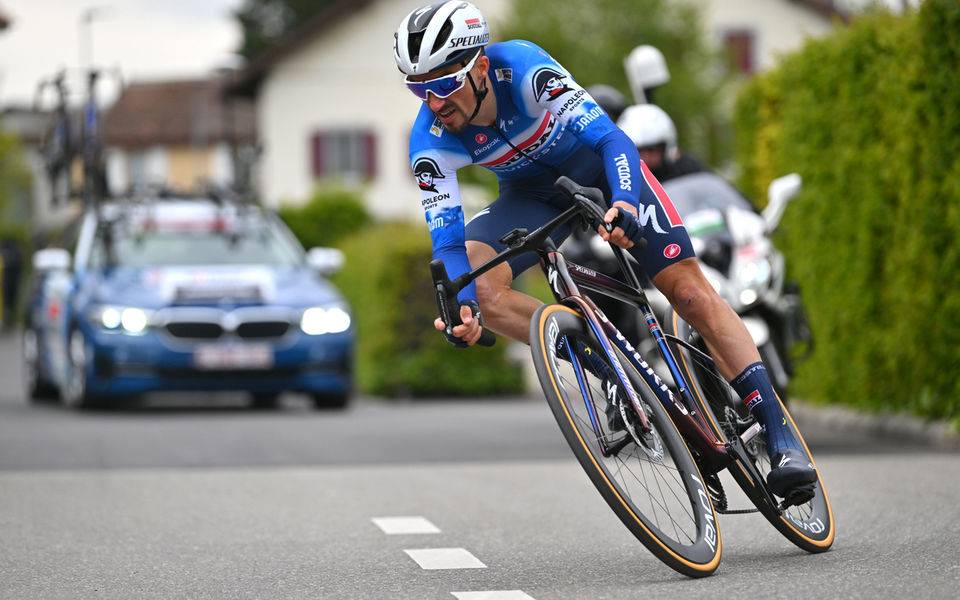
pixel 670 260
pixel 505 310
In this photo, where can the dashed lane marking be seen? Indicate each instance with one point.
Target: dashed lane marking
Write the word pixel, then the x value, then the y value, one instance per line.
pixel 492 595
pixel 445 558
pixel 405 525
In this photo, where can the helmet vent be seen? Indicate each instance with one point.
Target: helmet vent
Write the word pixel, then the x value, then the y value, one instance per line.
pixel 442 37
pixel 413 46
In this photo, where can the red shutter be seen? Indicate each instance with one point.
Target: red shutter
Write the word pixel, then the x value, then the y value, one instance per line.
pixel 370 154
pixel 316 155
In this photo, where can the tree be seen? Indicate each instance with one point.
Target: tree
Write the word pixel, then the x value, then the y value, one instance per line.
pixel 265 22
pixel 591 40
pixel 14 176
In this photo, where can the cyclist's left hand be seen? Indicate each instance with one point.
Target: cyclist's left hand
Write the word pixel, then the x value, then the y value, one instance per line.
pixel 469 331
pixel 617 236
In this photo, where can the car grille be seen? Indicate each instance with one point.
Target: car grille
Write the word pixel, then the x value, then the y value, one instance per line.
pixel 212 325
pixel 197 331
pixel 262 329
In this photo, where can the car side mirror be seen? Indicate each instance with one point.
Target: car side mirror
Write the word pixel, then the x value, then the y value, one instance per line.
pixel 779 194
pixel 326 261
pixel 51 259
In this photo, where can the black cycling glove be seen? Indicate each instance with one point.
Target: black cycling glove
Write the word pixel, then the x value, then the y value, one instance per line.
pixel 631 227
pixel 475 310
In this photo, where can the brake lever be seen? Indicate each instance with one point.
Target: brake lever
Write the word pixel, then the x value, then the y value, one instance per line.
pixel 447 304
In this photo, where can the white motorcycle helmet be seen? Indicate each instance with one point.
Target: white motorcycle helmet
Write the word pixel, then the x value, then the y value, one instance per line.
pixel 648 125
pixel 439 34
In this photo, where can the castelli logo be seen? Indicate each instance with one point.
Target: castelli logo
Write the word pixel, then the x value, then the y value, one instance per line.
pixel 480 138
pixel 671 251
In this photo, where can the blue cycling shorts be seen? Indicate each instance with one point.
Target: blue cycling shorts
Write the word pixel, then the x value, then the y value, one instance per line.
pixel 531 202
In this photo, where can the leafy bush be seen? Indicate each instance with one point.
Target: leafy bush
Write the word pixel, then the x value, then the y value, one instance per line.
pixel 869 117
pixel 330 215
pixel 399 353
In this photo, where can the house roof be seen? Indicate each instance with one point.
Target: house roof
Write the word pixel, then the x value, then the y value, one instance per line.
pixel 178 112
pixel 828 8
pixel 247 81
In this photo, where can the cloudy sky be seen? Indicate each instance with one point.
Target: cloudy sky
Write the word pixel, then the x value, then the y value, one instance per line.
pixel 142 39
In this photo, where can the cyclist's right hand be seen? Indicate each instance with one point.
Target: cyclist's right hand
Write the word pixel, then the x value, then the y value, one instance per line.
pixel 628 230
pixel 465 334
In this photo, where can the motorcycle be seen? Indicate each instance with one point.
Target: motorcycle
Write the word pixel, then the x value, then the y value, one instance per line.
pixel 736 252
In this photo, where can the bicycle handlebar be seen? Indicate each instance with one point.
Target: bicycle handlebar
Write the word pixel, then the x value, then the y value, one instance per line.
pixel 448 305
pixel 591 200
pixel 587 202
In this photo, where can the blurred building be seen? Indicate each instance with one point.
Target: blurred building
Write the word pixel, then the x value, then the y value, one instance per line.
pixel 331 104
pixel 175 134
pixel 178 134
pixel 756 32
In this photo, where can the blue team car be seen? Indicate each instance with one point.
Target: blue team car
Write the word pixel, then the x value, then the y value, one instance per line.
pixel 185 294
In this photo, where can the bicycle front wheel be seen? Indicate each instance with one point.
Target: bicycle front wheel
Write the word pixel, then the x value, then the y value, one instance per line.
pixel 809 525
pixel 654 487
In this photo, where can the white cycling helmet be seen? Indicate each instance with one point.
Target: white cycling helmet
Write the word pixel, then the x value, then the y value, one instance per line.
pixel 648 125
pixel 439 34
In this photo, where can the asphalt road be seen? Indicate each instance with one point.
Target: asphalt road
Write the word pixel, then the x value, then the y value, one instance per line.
pixel 196 497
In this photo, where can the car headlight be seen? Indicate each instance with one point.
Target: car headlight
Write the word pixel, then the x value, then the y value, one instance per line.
pixel 125 319
pixel 319 320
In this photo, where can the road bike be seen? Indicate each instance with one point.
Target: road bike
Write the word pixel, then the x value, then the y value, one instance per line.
pixel 653 450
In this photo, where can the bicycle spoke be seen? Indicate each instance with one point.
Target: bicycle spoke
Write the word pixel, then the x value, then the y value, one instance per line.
pixel 656 486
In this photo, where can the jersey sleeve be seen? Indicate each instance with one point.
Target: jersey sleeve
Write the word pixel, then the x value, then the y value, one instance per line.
pixel 435 164
pixel 547 85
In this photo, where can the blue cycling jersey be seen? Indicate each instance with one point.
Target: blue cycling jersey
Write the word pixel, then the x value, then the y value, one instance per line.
pixel 544 114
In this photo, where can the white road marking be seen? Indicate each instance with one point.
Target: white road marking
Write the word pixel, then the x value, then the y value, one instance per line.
pixel 445 558
pixel 405 525
pixel 493 595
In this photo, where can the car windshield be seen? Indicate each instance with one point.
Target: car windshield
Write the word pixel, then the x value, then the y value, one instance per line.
pixel 260 244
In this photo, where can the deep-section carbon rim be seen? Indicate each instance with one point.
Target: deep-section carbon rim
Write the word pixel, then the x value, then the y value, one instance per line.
pixel 809 525
pixel 654 487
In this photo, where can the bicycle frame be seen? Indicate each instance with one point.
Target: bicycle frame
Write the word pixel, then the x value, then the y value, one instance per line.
pixel 564 277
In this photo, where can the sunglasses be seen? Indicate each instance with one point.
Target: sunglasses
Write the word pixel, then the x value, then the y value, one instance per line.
pixel 441 87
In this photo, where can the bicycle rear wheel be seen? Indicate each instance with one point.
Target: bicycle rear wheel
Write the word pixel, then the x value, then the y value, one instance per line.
pixel 655 489
pixel 809 525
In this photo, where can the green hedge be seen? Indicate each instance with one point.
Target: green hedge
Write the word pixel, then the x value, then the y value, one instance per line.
pixel 399 353
pixel 870 117
pixel 329 215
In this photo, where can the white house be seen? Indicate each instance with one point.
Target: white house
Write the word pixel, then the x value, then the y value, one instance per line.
pixel 759 31
pixel 331 103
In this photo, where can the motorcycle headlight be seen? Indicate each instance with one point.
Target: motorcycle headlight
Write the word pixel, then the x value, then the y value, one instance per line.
pixel 124 319
pixel 318 320
pixel 754 273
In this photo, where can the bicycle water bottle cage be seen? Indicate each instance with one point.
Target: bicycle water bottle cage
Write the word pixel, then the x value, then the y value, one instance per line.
pixel 513 238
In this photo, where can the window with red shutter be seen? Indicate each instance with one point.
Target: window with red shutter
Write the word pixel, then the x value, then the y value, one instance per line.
pixel 349 154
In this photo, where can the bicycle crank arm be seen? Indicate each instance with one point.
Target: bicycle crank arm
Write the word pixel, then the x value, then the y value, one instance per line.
pixel 741 460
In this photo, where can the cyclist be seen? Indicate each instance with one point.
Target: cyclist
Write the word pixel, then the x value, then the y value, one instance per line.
pixel 513 109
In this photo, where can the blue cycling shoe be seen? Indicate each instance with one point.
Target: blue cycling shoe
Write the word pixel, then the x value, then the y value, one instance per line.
pixel 791 470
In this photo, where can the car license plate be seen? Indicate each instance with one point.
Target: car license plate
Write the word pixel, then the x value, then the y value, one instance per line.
pixel 233 356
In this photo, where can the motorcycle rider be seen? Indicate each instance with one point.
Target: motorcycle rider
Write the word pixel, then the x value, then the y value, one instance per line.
pixel 652 131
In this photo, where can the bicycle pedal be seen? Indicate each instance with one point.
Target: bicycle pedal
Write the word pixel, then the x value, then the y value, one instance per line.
pixel 797 496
